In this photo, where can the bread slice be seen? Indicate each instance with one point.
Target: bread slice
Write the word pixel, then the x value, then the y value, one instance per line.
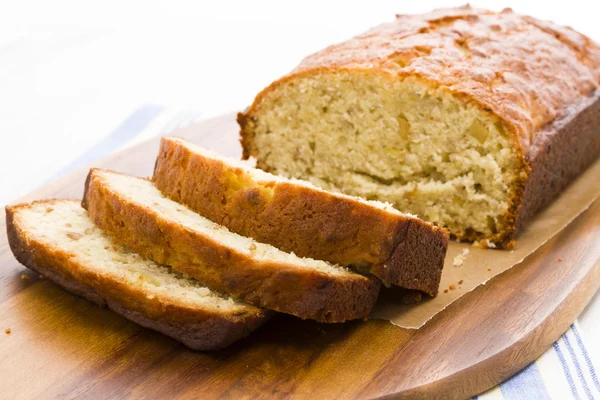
pixel 296 216
pixel 456 115
pixel 57 239
pixel 139 216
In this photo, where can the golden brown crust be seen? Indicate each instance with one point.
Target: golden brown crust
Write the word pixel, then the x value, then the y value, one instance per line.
pixel 304 292
pixel 199 329
pixel 398 249
pixel 560 152
pixel 482 57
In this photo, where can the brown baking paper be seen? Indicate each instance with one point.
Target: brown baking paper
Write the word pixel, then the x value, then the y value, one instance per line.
pixel 481 265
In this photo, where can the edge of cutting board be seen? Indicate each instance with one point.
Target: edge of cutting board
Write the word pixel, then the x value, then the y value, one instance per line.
pixel 63 346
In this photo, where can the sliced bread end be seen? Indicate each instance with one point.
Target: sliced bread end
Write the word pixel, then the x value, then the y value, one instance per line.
pixel 142 218
pixel 57 239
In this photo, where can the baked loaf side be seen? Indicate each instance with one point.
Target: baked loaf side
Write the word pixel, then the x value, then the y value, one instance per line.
pixel 434 113
pixel 57 239
pixel 139 216
pixel 298 217
pixel 560 152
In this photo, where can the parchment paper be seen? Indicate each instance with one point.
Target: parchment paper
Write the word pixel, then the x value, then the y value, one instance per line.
pixel 481 265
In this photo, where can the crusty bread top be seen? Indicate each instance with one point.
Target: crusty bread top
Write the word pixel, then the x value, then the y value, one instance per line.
pixel 64 226
pixel 524 70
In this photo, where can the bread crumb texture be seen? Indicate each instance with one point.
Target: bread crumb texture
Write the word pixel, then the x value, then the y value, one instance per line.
pixel 66 225
pixel 433 113
pixel 458 166
pixel 249 176
pixel 142 191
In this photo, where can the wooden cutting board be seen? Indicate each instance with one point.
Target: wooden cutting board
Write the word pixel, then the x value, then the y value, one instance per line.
pixel 61 346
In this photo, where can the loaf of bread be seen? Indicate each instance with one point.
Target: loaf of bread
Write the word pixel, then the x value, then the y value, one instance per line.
pixel 57 239
pixel 298 217
pixel 140 217
pixel 471 119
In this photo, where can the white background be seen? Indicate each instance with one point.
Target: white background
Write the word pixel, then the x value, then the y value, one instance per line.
pixel 71 71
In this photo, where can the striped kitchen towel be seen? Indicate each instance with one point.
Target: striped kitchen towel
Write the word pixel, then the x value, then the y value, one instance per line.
pixel 565 371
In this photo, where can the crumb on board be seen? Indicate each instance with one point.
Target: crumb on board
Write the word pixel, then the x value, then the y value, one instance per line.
pixel 452 287
pixel 460 282
pixel 489 269
pixel 7 331
pixel 484 244
pixel 460 258
pixel 479 244
pixel 446 291
pixel 24 277
pixel 559 259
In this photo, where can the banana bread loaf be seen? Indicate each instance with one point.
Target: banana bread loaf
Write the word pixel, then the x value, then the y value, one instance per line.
pixel 140 217
pixel 57 239
pixel 471 119
pixel 298 217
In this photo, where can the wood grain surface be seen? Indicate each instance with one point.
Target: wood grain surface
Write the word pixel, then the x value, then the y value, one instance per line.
pixel 61 346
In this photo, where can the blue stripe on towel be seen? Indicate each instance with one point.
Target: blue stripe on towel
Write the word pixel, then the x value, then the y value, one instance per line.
pixel 586 357
pixel 565 367
pixel 125 132
pixel 578 369
pixel 526 384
